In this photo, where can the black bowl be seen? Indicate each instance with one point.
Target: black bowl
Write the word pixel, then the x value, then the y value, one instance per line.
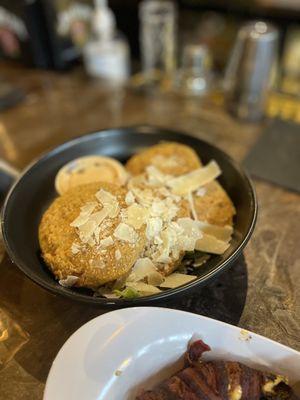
pixel 33 192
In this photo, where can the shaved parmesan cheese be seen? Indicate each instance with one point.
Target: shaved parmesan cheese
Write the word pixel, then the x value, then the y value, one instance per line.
pixel 155 278
pixel 106 242
pixel 154 227
pixel 144 268
pixel 118 254
pixel 97 234
pixel 165 209
pixel 129 198
pixel 156 177
pixel 143 196
pixel 174 280
pixel 165 192
pixel 85 212
pixel 190 227
pixel 201 192
pixel 190 182
pixel 126 233
pixel 113 209
pixel 143 288
pixel 158 208
pixel 105 197
pixel 192 205
pixel 136 215
pixel 223 233
pixel 88 208
pixel 91 242
pixel 80 220
pixel 99 216
pixel 69 281
pixel 86 230
pixel 210 244
pixel 75 248
pixel 110 295
pixel 191 233
pixel 163 257
pixel 170 245
pixel 109 202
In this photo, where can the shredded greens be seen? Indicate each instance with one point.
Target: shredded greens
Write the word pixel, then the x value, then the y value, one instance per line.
pixel 127 293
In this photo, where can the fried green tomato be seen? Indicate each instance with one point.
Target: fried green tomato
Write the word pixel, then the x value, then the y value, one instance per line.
pixel 93 264
pixel 213 205
pixel 170 158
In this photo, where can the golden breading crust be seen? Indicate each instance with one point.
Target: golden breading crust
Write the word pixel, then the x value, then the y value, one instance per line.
pixel 170 158
pixel 215 206
pixel 93 267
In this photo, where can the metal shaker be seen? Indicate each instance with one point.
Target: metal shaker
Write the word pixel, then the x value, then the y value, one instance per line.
pixel 249 70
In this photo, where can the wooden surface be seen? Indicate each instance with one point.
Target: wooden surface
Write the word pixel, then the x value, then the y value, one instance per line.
pixel 59 107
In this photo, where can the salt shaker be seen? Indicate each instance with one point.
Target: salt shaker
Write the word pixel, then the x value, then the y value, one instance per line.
pixel 249 70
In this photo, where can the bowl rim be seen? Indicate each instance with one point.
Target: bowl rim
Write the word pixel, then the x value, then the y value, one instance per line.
pixel 100 301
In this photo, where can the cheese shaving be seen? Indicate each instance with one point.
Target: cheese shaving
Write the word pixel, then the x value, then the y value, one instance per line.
pixel 174 280
pixel 86 230
pixel 125 233
pixel 85 212
pixel 190 182
pixel 109 202
pixel 129 198
pixel 143 288
pixel 105 197
pixel 165 209
pixel 144 268
pixel 69 281
pixel 88 208
pixel 106 242
pixel 210 244
pixel 190 235
pixel 136 215
pixel 192 205
pixel 223 233
pixel 118 254
pixel 156 177
pixel 99 216
pixel 154 227
pixel 201 192
pixel 113 209
pixel 75 248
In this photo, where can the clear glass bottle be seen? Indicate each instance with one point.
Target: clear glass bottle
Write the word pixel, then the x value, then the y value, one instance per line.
pixel 106 55
pixel 158 38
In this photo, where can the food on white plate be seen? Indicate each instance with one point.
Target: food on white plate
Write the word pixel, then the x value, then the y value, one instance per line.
pixel 218 380
pixel 148 233
pixel 89 169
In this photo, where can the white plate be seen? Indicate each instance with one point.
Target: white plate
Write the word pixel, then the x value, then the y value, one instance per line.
pixel 114 355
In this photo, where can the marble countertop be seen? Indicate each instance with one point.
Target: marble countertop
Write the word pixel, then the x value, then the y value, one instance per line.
pixel 260 292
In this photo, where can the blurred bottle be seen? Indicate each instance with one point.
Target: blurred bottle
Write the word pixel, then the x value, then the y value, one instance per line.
pixel 106 54
pixel 248 75
pixel 195 77
pixel 158 39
